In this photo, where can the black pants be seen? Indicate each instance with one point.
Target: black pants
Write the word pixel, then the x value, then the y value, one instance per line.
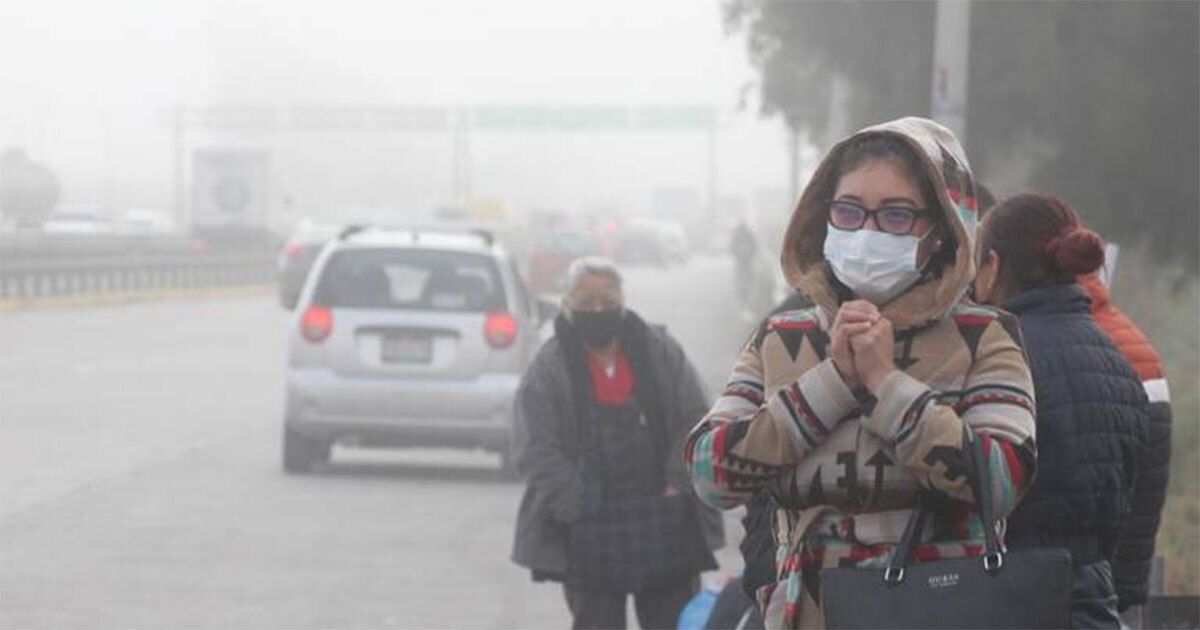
pixel 657 609
pixel 1093 597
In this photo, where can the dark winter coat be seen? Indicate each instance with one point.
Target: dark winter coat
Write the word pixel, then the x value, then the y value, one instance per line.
pixel 550 407
pixel 1091 428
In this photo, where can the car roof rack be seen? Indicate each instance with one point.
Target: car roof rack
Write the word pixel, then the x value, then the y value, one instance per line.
pixel 484 234
pixel 351 230
pixel 488 237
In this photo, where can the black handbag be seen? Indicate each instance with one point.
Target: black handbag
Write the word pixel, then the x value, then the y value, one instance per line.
pixel 1028 588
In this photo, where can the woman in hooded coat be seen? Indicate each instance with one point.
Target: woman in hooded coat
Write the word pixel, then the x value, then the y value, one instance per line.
pixel 845 410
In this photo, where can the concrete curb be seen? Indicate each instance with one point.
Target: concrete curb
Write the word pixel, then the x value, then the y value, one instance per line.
pixel 132 297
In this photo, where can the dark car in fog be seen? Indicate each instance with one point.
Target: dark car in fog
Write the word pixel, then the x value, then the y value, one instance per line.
pixel 552 252
pixel 296 257
pixel 653 242
pixel 407 337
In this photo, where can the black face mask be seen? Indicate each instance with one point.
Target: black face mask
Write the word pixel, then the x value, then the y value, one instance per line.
pixel 597 328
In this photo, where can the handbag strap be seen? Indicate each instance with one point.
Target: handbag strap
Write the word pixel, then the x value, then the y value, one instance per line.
pixel 981 487
pixel 908 540
pixel 978 478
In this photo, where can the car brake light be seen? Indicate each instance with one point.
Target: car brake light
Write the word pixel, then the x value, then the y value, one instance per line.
pixel 317 323
pixel 500 330
pixel 292 249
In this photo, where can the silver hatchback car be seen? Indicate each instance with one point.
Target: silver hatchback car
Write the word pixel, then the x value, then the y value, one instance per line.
pixel 407 337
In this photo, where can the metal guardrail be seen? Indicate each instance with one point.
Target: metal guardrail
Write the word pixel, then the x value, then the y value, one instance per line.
pixel 81 278
pixel 49 268
pixel 1163 611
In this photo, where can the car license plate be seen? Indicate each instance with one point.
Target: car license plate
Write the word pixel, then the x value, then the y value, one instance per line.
pixel 396 349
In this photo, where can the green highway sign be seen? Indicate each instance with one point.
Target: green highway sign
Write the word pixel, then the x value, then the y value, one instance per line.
pixel 675 117
pixel 385 118
pixel 562 118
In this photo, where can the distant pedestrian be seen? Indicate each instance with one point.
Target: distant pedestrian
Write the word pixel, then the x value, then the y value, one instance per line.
pixel 602 413
pixel 744 247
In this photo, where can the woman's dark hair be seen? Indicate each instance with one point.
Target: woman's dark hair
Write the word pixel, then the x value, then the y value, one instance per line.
pixel 887 147
pixel 896 149
pixel 1040 241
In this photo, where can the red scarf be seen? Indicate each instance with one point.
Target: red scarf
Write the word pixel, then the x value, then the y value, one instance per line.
pixel 615 389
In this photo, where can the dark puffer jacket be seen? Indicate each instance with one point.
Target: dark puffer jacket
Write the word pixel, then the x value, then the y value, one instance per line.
pixel 1092 428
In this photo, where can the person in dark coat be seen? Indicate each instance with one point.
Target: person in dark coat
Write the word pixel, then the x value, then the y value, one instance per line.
pixel 743 245
pixel 1092 423
pixel 601 414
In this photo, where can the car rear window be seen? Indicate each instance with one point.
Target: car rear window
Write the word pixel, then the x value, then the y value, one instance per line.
pixel 565 243
pixel 411 279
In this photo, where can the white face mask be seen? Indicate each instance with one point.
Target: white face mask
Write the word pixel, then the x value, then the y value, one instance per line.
pixel 877 266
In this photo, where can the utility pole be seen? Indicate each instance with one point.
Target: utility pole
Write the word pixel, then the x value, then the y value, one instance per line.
pixel 712 171
pixel 461 159
pixel 838 126
pixel 952 44
pixel 179 162
pixel 793 138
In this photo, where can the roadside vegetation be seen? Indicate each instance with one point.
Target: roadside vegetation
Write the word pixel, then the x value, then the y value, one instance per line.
pixel 1165 302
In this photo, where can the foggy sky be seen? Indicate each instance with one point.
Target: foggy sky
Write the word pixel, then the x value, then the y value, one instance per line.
pixel 88 85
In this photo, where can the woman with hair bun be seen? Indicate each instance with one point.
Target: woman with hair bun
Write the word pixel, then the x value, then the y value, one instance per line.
pixel 1092 421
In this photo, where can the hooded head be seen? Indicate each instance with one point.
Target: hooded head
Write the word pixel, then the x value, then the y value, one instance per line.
pixel 943 178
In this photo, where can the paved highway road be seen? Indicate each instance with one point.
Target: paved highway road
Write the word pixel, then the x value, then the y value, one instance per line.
pixel 140 483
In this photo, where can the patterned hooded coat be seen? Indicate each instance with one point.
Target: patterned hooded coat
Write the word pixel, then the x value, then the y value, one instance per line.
pixel 846 465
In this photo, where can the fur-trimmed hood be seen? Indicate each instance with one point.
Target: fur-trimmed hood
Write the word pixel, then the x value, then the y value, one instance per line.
pixel 803 256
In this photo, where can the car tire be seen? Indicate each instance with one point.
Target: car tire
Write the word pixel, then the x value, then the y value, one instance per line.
pixel 300 452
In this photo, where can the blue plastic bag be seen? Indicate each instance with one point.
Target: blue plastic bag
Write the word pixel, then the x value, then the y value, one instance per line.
pixel 695 614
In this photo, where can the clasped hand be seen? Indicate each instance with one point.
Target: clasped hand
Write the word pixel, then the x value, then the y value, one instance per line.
pixel 862 344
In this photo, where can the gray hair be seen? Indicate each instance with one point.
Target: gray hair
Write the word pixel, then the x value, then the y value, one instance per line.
pixel 597 265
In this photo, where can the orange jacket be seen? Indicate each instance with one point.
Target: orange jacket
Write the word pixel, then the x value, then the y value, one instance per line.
pixel 1128 337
